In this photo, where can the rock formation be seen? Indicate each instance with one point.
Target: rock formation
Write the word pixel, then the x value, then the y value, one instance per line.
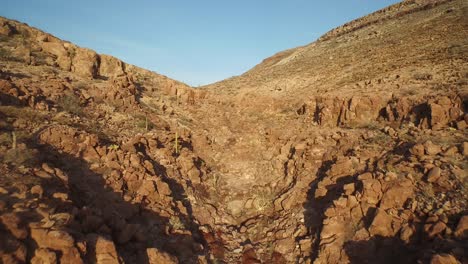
pixel 352 149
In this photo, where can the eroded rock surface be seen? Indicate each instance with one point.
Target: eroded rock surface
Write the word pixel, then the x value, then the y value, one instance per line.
pixel 352 149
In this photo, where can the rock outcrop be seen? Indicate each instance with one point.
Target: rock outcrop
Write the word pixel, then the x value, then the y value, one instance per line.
pixel 352 149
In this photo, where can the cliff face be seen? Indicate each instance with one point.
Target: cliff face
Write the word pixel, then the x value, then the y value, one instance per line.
pixel 352 149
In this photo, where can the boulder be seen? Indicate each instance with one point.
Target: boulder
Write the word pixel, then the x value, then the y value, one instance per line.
pixel 461 232
pixel 382 224
pixel 44 256
pixel 12 222
pixel 54 239
pixel 464 149
pixel 71 256
pixel 103 249
pixel 85 63
pixel 111 66
pixel 434 174
pixel 431 149
pixel 444 259
pixel 57 48
pixel 155 256
pixel 396 195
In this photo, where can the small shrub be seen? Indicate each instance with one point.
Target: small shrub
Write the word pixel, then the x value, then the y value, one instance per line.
pixel 176 223
pixel 5 54
pixel 113 147
pixel 25 113
pixel 5 139
pixel 263 200
pixel 80 85
pixel 177 147
pixel 72 53
pixel 427 191
pixel 71 104
pixel 422 76
pixel 144 123
pixel 25 157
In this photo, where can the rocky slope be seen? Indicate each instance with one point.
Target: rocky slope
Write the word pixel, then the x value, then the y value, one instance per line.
pixel 352 149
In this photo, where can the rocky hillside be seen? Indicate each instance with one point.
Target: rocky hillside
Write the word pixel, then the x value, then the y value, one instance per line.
pixel 352 149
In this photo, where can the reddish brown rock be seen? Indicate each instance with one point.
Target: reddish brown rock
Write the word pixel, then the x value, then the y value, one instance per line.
pixel 417 150
pixel 444 259
pixel 111 66
pixel 431 148
pixel 372 191
pixel 44 256
pixel 397 195
pixel 54 239
pixel 464 149
pixel 461 232
pixel 85 63
pixel 58 49
pixel 434 174
pixel 71 255
pixel 13 223
pixel 382 224
pixel 434 229
pixel 102 249
pixel 155 256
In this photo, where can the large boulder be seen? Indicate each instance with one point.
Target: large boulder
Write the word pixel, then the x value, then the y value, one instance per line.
pixel 103 249
pixel 111 66
pixel 58 49
pixel 85 62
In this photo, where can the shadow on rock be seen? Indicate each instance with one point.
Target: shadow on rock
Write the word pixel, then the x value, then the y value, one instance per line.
pixel 103 216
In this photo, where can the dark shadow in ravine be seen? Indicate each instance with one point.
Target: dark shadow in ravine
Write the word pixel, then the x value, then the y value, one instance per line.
pixel 314 208
pixel 6 99
pixel 4 74
pixel 88 190
pixel 389 250
pixel 380 249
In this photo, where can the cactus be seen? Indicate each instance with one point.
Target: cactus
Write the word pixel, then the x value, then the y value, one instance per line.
pixel 176 143
pixel 13 139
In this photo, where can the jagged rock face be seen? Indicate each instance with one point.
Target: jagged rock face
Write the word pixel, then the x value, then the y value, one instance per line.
pixel 110 66
pixel 349 150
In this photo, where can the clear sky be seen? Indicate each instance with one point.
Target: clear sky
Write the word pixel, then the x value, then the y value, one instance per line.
pixel 194 41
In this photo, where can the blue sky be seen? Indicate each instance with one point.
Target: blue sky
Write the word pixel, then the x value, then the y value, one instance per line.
pixel 197 42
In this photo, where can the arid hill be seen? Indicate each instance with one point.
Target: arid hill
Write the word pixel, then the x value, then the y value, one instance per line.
pixel 352 149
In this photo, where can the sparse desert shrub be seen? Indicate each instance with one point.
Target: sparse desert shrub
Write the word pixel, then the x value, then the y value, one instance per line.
pixel 370 125
pixel 5 139
pixel 422 76
pixel 25 113
pixel 5 54
pixel 263 200
pixel 71 104
pixel 142 122
pixel 427 191
pixel 80 85
pixel 176 144
pixel 113 147
pixel 20 156
pixel 72 53
pixel 176 223
pixel 380 139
